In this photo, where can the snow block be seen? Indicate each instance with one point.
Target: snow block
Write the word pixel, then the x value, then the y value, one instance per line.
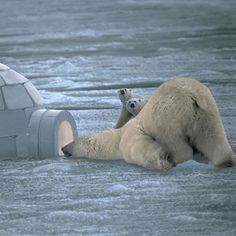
pixel 33 131
pixel 11 77
pixel 16 97
pixel 3 67
pixel 31 110
pixel 12 123
pixel 34 93
pixel 2 106
pixel 2 83
pixel 22 145
pixel 8 147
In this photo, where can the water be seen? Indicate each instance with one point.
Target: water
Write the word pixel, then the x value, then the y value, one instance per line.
pixel 78 53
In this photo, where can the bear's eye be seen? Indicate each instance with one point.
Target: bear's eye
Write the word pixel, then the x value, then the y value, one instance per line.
pixel 129 102
pixel 135 101
pixel 139 100
pixel 125 89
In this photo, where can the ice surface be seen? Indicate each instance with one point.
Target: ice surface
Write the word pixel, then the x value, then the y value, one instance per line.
pixel 66 67
pixel 78 55
pixel 118 189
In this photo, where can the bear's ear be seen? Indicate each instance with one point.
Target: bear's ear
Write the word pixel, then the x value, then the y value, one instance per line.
pixel 200 101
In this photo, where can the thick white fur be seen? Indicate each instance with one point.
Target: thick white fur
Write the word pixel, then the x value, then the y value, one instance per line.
pixel 182 114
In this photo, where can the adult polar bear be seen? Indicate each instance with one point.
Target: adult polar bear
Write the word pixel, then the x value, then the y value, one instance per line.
pixel 182 114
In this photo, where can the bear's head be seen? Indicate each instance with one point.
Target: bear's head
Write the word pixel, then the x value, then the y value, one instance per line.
pixel 124 95
pixel 135 105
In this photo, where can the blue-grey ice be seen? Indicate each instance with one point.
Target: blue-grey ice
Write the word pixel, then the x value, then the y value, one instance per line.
pixel 77 54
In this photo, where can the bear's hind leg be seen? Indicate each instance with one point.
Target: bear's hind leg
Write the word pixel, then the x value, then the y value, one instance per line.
pixel 144 151
pixel 213 143
pixel 180 150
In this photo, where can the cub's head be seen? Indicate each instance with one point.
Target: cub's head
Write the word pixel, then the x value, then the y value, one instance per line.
pixel 124 94
pixel 135 105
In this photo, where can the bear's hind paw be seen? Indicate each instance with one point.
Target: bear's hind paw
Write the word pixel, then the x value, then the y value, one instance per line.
pixel 162 162
pixel 166 161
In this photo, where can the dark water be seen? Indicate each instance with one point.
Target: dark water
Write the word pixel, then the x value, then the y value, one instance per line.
pixel 78 53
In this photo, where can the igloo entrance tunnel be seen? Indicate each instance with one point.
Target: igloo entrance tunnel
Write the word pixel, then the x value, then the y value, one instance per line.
pixel 27 128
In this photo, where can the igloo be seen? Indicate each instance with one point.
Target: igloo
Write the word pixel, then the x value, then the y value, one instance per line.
pixel 27 128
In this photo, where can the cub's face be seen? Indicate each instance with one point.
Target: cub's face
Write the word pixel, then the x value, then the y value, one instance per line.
pixel 135 105
pixel 124 94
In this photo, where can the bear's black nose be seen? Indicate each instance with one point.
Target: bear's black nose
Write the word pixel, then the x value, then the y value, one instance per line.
pixel 67 154
pixel 122 92
pixel 132 105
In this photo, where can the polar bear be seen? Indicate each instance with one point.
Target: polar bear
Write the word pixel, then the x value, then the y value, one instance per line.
pixel 125 115
pixel 180 116
pixel 135 105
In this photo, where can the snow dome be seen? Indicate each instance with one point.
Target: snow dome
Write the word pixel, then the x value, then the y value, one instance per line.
pixel 27 128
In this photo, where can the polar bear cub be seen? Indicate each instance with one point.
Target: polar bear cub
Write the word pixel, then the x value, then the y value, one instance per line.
pixel 125 95
pixel 135 105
